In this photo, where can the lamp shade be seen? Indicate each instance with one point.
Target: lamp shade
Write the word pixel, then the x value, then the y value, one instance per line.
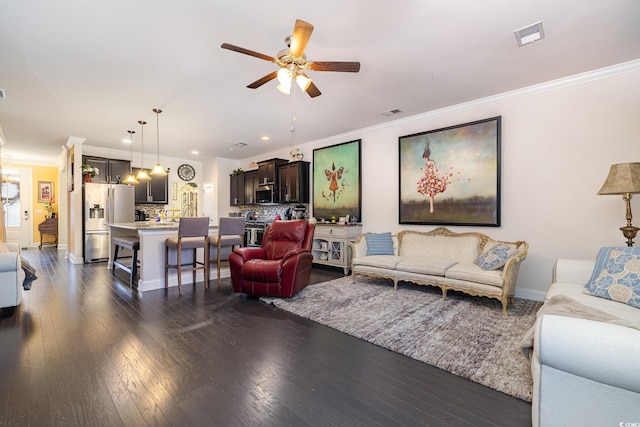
pixel 130 180
pixel 623 178
pixel 303 81
pixel 158 170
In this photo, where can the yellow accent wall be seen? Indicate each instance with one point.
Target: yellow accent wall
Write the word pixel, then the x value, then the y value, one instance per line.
pixel 41 174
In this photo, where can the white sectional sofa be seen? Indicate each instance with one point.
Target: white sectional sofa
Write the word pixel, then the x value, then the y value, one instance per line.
pixel 586 355
pixel 445 259
pixel 11 276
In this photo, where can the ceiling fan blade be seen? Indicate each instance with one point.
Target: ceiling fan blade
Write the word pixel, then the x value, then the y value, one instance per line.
pixel 263 80
pixel 301 34
pixel 347 67
pixel 247 52
pixel 313 90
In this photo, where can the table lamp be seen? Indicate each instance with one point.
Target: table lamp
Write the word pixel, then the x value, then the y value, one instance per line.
pixel 624 178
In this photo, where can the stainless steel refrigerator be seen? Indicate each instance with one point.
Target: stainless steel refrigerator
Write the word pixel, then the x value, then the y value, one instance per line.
pixel 104 204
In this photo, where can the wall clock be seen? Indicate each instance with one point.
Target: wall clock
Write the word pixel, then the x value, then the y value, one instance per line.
pixel 186 172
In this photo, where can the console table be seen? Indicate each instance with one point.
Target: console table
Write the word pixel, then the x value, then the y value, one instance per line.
pixel 49 227
pixel 330 244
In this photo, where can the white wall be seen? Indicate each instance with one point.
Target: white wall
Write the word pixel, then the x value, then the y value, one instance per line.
pixel 217 173
pixel 558 142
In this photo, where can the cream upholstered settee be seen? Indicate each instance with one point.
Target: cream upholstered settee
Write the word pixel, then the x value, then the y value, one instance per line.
pixel 586 349
pixel 470 262
pixel 11 275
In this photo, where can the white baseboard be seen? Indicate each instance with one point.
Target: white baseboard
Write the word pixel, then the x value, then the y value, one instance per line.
pixel 532 294
pixel 151 285
pixel 75 260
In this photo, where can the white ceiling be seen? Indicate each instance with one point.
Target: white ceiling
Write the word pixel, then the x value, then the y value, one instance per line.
pixel 93 69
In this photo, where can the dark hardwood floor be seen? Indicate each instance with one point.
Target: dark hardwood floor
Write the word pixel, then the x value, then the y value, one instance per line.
pixel 83 349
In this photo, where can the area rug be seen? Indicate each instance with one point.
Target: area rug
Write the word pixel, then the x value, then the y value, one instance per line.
pixel 467 336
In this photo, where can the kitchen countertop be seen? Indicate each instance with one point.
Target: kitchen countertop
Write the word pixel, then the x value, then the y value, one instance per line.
pixel 151 225
pixel 151 255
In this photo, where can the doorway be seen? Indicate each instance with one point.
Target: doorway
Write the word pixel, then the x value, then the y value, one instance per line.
pixel 16 205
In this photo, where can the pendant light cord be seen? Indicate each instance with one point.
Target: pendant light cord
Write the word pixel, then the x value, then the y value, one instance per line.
pixel 157 111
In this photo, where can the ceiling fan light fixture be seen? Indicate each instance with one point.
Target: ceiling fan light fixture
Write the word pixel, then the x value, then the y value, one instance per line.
pixel 303 81
pixel 285 88
pixel 292 61
pixel 284 76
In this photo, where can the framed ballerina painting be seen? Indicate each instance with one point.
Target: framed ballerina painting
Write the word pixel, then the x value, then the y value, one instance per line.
pixel 337 182
pixel 451 176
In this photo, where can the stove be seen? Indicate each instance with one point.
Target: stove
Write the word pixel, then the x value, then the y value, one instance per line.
pixel 254 230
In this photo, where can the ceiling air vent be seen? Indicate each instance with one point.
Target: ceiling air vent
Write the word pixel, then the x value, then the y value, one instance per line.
pixel 529 34
pixel 391 112
pixel 3 94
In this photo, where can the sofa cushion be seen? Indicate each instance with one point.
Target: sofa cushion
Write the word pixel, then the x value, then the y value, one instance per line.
pixel 496 257
pixel 473 273
pixel 434 266
pixel 616 275
pixel 577 293
pixel 379 244
pixel 381 261
pixel 459 248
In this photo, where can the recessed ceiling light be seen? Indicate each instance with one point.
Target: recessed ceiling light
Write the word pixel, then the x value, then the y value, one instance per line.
pixel 195 152
pixel 529 34
pixel 265 138
pixel 126 141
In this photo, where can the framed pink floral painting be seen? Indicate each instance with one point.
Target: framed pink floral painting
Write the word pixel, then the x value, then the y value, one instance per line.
pixel 451 176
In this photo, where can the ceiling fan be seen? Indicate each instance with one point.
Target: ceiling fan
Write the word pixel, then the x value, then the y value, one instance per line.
pixel 293 62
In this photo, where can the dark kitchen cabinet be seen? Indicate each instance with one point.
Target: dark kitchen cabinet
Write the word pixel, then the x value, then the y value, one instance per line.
pixel 250 187
pixel 111 171
pixel 154 191
pixel 237 190
pixel 268 171
pixel 294 182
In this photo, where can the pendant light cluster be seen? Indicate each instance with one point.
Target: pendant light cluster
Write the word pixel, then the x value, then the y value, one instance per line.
pixel 158 169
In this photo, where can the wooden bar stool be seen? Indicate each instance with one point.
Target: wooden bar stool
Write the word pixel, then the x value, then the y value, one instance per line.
pixel 127 242
pixel 192 234
pixel 230 234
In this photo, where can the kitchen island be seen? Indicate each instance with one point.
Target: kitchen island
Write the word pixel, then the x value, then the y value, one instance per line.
pixel 151 254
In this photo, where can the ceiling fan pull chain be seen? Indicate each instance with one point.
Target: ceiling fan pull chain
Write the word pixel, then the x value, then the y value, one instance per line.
pixel 293 111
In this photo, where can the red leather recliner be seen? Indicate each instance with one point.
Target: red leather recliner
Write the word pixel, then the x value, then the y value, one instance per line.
pixel 280 267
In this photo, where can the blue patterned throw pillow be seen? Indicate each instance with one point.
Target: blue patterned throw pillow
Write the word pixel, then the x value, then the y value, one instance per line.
pixel 616 275
pixel 496 257
pixel 379 244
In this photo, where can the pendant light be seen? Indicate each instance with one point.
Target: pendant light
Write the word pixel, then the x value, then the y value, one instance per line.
pixel 158 170
pixel 131 179
pixel 142 173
